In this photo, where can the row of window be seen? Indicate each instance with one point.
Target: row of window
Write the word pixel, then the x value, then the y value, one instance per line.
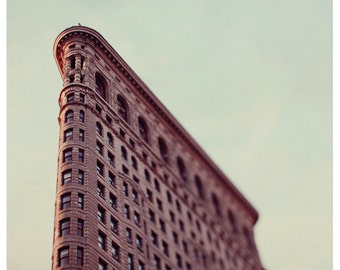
pixel 68 135
pixel 65 201
pixel 66 177
pixel 69 116
pixel 143 129
pixel 178 206
pixel 68 155
pixel 65 227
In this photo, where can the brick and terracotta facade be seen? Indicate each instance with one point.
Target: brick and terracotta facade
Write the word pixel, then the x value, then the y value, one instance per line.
pixel 134 190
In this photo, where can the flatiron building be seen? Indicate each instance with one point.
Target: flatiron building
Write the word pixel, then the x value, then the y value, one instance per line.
pixel 134 190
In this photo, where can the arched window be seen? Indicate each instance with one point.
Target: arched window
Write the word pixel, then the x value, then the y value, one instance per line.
pixel 100 85
pixel 143 129
pixel 122 108
pixel 182 169
pixel 69 116
pixel 216 204
pixel 199 187
pixel 99 129
pixel 163 149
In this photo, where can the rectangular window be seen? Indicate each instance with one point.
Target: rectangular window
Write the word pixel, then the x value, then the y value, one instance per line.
pixel 146 174
pixel 81 135
pixel 68 134
pixel 80 177
pixel 129 235
pixel 100 190
pixel 172 216
pixel 139 242
pixel 101 240
pixel 154 238
pixel 80 256
pixel 100 168
pixel 81 117
pixel 101 214
pixel 134 163
pixel 110 158
pixel 130 262
pixel 99 148
pixel 127 211
pixel 98 109
pixel 181 225
pixel 198 225
pixel 64 227
pixel 112 179
pixel 63 256
pixel 159 205
pixel 135 179
pixel 175 237
pixel 179 260
pixel 157 187
pixel 80 201
pixel 109 119
pixel 135 196
pixel 149 195
pixel 157 262
pixel 162 225
pixel 125 169
pixel 80 227
pixel 114 225
pixel 178 206
pixel 66 177
pixel 102 265
pixel 67 155
pixel 140 265
pixel 136 218
pixel 113 201
pixel 168 194
pixel 152 216
pixel 189 216
pixel 185 247
pixel 81 155
pixel 115 251
pixel 125 189
pixel 65 201
pixel 70 97
pixel 82 98
pixel 165 248
pixel 109 139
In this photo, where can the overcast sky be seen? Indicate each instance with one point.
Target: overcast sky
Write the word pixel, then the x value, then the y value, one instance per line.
pixel 250 80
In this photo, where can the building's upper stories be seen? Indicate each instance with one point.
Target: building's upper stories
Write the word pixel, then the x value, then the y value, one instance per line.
pixel 86 60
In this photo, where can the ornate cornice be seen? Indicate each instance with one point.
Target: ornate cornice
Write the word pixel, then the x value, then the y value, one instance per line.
pixel 130 76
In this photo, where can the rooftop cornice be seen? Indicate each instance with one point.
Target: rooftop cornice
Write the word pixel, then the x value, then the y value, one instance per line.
pixel 125 71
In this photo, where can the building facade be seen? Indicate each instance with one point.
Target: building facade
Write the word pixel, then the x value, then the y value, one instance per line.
pixel 134 190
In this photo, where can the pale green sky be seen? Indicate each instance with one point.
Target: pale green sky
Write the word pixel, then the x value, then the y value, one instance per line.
pixel 251 81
